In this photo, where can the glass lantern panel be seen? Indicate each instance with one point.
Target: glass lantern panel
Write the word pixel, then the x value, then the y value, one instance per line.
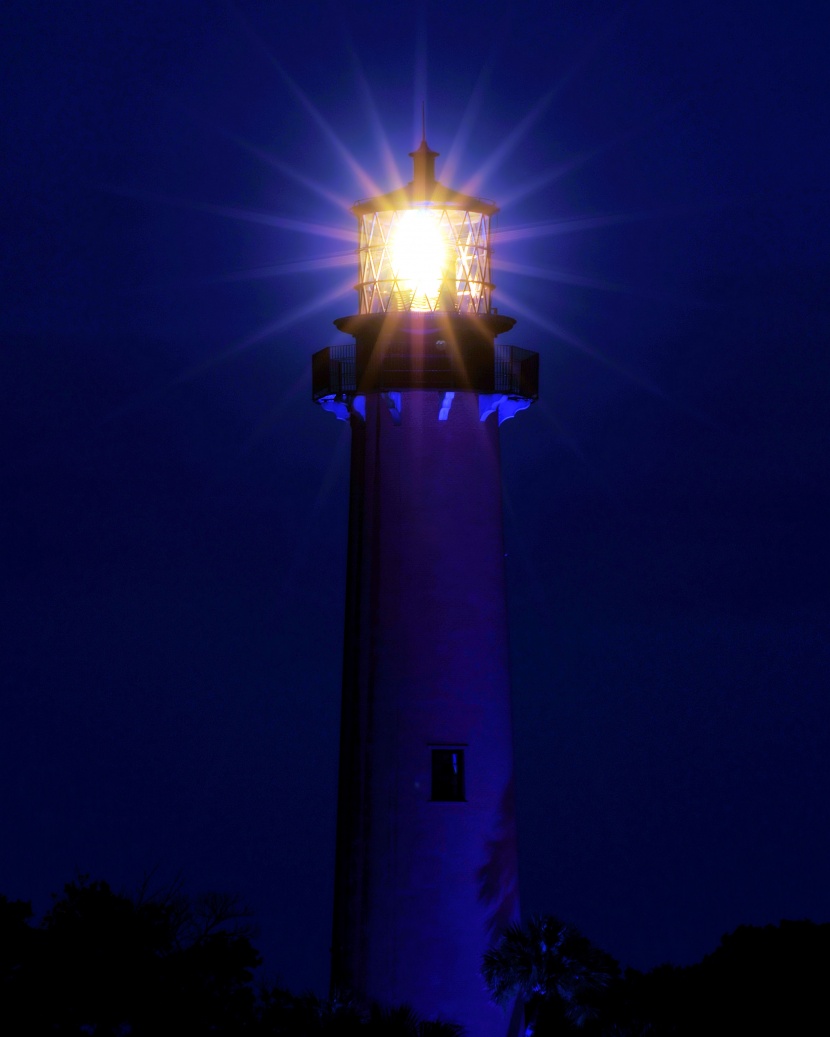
pixel 424 258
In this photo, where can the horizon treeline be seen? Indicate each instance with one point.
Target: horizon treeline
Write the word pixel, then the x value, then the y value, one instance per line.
pixel 110 964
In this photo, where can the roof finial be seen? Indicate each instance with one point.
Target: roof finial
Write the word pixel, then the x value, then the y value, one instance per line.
pixel 423 159
pixel 423 180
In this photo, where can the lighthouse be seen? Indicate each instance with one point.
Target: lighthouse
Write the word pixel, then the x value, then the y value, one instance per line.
pixel 426 860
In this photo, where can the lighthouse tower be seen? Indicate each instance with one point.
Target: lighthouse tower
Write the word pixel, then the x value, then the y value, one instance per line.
pixel 426 845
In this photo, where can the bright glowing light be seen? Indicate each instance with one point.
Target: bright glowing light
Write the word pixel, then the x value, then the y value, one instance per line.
pixel 420 254
pixel 424 258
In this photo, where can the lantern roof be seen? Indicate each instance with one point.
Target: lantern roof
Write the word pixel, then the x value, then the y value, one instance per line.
pixel 423 188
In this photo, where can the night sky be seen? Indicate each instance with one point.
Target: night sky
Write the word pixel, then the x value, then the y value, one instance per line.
pixel 176 243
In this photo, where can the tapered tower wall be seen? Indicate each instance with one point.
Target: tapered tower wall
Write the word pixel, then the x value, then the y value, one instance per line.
pixel 423 886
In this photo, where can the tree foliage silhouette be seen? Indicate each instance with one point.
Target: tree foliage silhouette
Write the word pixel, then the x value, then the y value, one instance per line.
pixel 103 963
pixel 285 1015
pixel 760 979
pixel 553 968
pixel 106 964
pixel 160 964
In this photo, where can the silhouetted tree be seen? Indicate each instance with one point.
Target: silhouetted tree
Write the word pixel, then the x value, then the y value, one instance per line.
pixel 106 964
pixel 284 1015
pixel 760 979
pixel 402 1021
pixel 17 952
pixel 160 964
pixel 554 969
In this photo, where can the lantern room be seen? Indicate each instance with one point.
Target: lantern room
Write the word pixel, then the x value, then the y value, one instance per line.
pixel 424 319
pixel 424 247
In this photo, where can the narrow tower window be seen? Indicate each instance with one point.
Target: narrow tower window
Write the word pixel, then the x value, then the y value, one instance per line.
pixel 448 775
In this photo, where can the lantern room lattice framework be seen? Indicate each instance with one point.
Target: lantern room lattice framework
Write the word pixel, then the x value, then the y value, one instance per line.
pixel 461 281
pixel 426 846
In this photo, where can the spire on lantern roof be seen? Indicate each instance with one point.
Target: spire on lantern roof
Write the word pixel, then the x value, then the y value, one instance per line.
pixel 423 161
pixel 423 173
pixel 423 187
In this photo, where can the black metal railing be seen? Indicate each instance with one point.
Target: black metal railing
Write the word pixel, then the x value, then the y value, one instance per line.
pixel 516 371
pixel 333 371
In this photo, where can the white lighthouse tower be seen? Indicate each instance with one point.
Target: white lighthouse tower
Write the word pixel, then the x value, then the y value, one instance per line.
pixel 426 843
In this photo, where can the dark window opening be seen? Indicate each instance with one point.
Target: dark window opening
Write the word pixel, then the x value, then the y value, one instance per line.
pixel 448 775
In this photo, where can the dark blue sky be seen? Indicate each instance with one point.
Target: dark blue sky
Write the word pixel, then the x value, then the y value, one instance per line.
pixel 174 507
